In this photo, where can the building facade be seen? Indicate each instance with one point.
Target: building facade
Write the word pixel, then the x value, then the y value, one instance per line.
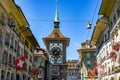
pixel 73 70
pixel 16 40
pixel 106 36
pixel 40 59
pixel 87 58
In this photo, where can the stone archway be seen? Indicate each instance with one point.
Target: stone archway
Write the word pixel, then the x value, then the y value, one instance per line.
pixel 8 76
pixel 2 75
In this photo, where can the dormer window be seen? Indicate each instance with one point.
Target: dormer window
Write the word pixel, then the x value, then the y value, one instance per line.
pixel 56 35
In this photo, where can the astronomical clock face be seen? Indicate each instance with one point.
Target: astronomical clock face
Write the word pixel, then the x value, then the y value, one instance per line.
pixel 56 53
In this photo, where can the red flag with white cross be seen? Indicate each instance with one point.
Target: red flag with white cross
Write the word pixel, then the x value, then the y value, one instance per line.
pixel 20 63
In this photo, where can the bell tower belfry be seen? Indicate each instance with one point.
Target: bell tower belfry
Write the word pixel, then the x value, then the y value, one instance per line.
pixel 56 44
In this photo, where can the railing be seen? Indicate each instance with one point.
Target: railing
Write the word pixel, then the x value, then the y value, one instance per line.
pixel 103 59
pixel 117 68
pixel 117 23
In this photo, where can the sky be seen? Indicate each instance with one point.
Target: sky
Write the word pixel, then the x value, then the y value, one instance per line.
pixel 74 16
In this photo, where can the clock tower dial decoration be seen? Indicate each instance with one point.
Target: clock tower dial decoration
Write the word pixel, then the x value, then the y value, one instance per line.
pixel 56 44
pixel 56 55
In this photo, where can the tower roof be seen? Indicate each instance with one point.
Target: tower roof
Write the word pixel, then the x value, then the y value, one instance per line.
pixel 56 35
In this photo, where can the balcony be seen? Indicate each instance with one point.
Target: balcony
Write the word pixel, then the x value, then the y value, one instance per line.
pixel 103 59
pixel 117 69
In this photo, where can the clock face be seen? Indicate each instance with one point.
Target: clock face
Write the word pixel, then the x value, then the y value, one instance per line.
pixel 56 52
pixel 56 55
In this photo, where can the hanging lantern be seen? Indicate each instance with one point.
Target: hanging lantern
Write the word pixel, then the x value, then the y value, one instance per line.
pixel 89 25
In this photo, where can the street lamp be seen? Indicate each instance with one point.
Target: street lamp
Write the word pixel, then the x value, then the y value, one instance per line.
pixel 89 25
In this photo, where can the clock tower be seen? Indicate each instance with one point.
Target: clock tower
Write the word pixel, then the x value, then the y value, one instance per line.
pixel 56 44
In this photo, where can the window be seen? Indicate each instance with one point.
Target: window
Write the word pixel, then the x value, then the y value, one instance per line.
pixel 2 75
pixel 30 58
pixel 12 76
pixel 7 37
pixel 13 61
pixel 16 45
pixel 105 37
pixel 29 68
pixel 27 44
pixel 114 18
pixel 95 54
pixel 22 52
pixel 25 67
pixel 88 63
pixel 26 54
pixel 4 60
pixel 56 35
pixel 88 55
pixel 118 12
pixel 11 44
pixel 10 59
pixel 111 25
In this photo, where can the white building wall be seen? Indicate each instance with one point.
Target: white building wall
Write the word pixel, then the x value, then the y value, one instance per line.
pixel 106 48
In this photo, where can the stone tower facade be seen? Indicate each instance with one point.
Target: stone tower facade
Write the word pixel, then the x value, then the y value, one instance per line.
pixel 56 44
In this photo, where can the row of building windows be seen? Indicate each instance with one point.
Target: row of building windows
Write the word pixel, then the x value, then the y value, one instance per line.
pixel 89 55
pixel 11 41
pixel 72 73
pixel 106 35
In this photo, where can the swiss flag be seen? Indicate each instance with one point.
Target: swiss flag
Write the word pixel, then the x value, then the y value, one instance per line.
pixel 20 63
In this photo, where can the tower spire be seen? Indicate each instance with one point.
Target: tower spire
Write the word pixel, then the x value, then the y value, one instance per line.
pixel 56 20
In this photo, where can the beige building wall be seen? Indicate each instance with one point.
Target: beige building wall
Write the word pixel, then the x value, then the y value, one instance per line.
pixel 14 42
